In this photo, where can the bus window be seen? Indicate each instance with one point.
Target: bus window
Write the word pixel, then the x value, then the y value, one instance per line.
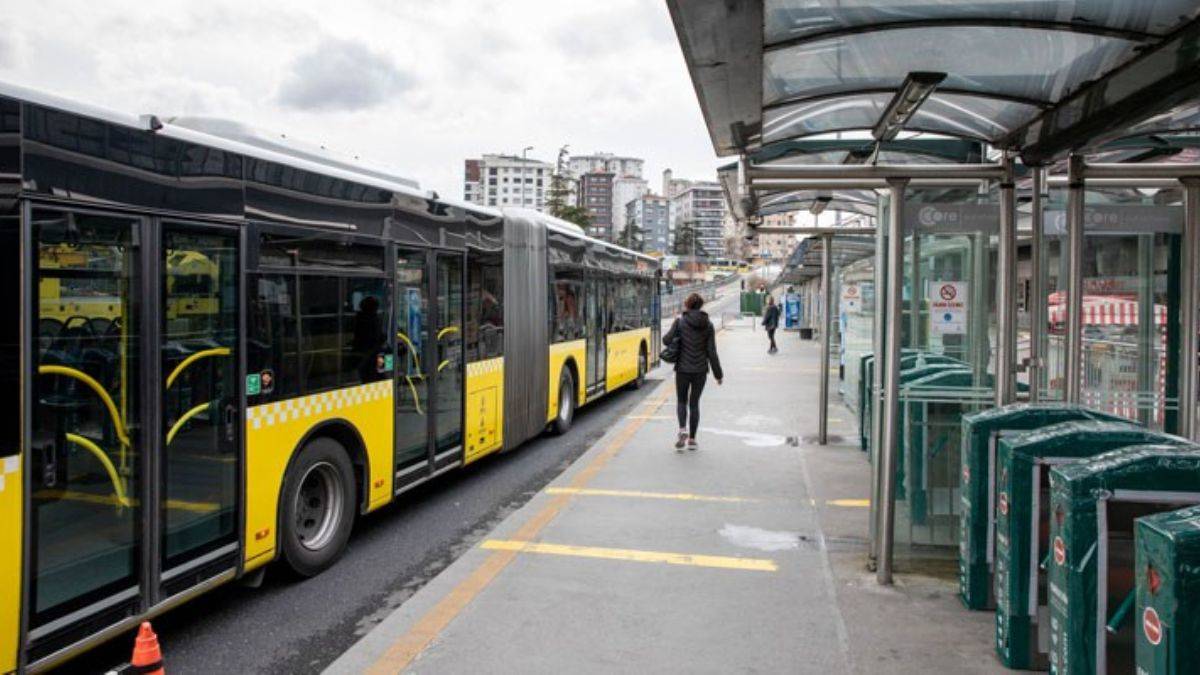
pixel 485 311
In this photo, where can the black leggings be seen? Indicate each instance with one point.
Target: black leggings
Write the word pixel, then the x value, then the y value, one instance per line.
pixel 771 334
pixel 688 387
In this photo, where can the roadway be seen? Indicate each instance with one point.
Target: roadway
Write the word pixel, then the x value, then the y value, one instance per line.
pixel 291 626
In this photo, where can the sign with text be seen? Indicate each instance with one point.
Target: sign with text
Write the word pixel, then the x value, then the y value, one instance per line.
pixel 952 218
pixel 947 307
pixel 1119 219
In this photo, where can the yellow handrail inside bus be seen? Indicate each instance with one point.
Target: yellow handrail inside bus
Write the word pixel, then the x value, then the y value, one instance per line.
pixel 175 428
pixel 204 353
pixel 416 398
pixel 447 330
pixel 87 444
pixel 443 364
pixel 95 386
pixel 412 349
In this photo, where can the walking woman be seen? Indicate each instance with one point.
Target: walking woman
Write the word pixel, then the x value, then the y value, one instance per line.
pixel 771 322
pixel 697 344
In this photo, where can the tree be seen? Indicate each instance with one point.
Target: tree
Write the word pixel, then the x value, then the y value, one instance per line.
pixel 557 201
pixel 632 237
pixel 685 240
pixel 575 214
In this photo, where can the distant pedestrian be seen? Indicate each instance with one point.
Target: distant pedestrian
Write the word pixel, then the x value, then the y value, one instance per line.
pixel 697 343
pixel 771 322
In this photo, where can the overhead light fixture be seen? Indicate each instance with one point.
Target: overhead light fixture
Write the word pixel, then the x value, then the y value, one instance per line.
pixel 916 88
pixel 819 204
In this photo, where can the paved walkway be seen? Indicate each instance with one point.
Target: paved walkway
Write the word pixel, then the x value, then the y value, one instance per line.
pixel 747 555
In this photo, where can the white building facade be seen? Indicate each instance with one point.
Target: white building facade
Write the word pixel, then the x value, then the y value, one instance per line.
pixel 702 208
pixel 506 180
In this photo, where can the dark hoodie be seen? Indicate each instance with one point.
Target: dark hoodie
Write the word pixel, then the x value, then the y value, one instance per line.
pixel 698 348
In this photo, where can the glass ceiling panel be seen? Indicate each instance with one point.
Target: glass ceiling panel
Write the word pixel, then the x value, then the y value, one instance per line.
pixel 792 19
pixel 1182 118
pixel 951 114
pixel 1036 64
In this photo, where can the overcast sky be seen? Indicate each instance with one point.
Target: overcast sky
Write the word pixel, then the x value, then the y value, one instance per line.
pixel 417 85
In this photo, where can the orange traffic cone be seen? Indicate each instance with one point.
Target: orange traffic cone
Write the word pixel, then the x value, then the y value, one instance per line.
pixel 147 657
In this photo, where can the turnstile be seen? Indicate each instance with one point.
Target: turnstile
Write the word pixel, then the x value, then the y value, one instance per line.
pixel 1166 618
pixel 1093 508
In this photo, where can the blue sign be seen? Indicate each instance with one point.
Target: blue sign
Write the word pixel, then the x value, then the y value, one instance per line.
pixel 791 310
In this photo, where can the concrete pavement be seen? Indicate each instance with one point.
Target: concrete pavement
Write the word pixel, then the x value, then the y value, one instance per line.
pixel 748 555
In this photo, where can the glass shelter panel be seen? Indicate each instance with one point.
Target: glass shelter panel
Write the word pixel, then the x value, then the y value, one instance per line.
pixel 1131 290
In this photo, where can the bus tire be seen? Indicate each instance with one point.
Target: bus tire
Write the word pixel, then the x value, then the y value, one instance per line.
pixel 318 507
pixel 643 363
pixel 566 403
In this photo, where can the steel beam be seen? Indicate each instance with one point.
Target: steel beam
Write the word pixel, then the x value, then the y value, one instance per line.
pixel 793 184
pixel 1074 337
pixel 1189 342
pixel 1060 181
pixel 851 172
pixel 819 231
pixel 826 335
pixel 877 346
pixel 1006 306
pixel 889 447
pixel 1160 170
pixel 1037 292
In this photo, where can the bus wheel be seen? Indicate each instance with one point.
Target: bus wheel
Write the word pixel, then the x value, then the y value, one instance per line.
pixel 318 507
pixel 640 381
pixel 566 402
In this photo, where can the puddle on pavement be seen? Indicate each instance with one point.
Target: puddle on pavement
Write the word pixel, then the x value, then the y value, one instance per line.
pixel 752 438
pixel 759 539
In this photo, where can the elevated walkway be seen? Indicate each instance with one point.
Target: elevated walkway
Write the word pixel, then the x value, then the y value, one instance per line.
pixel 748 555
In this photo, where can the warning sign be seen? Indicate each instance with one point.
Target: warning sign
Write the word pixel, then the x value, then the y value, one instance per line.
pixel 947 307
pixel 851 300
pixel 1003 503
pixel 1152 626
pixel 1060 551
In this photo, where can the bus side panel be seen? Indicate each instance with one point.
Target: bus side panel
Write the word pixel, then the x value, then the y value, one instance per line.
pixel 485 408
pixel 623 356
pixel 273 434
pixel 11 484
pixel 559 353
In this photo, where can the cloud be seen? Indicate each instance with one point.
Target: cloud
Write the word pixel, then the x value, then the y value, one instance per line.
pixel 341 75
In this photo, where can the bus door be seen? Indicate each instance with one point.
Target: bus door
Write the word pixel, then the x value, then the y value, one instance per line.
pixel 447 337
pixel 86 460
pixel 200 405
pixel 414 365
pixel 597 332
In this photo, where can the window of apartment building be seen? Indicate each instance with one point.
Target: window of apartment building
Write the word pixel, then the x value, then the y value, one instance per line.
pixel 492 171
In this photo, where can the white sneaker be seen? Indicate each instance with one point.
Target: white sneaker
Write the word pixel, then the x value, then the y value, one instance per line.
pixel 692 445
pixel 681 439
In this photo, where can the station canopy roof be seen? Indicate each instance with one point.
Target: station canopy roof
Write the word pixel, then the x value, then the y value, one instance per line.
pixel 1041 77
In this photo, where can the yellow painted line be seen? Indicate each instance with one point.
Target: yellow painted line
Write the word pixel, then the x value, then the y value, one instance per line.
pixel 631 555
pixel 680 496
pixel 850 503
pixel 410 645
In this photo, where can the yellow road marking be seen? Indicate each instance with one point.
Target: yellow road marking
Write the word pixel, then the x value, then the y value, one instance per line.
pixel 681 496
pixel 408 646
pixel 850 503
pixel 719 561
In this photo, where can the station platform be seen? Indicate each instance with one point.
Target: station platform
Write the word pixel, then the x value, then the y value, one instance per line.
pixel 747 555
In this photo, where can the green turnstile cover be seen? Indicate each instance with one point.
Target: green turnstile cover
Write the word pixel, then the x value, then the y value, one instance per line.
pixel 909 359
pixel 979 433
pixel 931 426
pixel 1022 518
pixel 752 302
pixel 1075 492
pixel 1167 620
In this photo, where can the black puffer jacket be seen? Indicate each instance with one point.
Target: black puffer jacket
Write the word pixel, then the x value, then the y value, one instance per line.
pixel 698 349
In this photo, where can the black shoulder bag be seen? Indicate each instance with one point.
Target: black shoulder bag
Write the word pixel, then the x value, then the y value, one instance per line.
pixel 670 353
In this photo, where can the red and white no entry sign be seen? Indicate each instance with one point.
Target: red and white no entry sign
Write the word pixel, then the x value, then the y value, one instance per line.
pixel 1004 503
pixel 948 292
pixel 1152 626
pixel 1060 551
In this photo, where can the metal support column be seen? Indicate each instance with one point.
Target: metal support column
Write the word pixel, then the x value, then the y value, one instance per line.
pixel 1189 343
pixel 877 347
pixel 916 298
pixel 826 335
pixel 1147 345
pixel 1006 282
pixel 1074 336
pixel 891 409
pixel 1036 302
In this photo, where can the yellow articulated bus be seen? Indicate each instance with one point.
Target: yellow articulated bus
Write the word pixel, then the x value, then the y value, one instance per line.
pixel 227 349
